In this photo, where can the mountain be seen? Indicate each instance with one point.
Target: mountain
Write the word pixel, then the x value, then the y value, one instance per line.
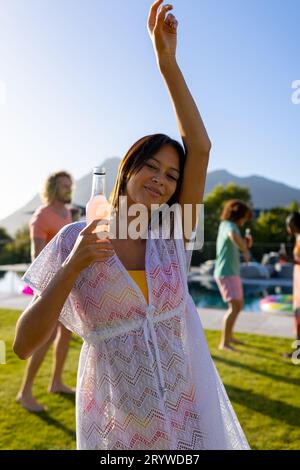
pixel 265 192
pixel 83 186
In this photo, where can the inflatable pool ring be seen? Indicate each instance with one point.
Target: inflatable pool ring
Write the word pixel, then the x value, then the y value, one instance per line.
pixel 277 303
pixel 27 290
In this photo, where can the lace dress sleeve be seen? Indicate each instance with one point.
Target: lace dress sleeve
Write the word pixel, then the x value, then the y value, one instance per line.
pixel 45 266
pixel 47 263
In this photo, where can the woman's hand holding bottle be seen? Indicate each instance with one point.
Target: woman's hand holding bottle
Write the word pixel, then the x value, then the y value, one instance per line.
pixel 89 248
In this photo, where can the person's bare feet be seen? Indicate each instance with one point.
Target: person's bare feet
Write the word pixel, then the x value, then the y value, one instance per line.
pixel 61 388
pixel 236 341
pixel 226 347
pixel 30 404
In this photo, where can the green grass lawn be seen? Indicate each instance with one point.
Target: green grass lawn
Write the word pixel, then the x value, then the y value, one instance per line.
pixel 263 388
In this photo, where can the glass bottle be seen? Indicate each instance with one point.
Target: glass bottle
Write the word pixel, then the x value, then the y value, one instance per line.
pixel 98 207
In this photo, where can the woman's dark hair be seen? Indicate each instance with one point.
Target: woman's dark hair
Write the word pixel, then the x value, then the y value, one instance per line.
pixel 293 222
pixel 135 159
pixel 235 210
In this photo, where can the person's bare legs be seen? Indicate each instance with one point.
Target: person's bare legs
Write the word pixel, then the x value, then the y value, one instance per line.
pixel 233 339
pixel 61 347
pixel 290 354
pixel 25 397
pixel 229 320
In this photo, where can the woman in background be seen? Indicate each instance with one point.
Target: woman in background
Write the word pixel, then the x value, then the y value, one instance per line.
pixel 227 268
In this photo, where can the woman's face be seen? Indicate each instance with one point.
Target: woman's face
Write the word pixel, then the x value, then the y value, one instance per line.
pixel 156 181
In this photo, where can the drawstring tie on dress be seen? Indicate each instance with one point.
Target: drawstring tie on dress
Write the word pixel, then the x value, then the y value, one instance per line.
pixel 150 333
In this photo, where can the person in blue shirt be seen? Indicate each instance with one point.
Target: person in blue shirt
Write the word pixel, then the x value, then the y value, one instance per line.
pixel 227 267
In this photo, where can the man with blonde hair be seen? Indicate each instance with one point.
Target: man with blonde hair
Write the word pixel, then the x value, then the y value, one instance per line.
pixel 47 220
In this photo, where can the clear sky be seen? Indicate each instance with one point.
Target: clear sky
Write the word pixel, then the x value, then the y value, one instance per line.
pixel 79 83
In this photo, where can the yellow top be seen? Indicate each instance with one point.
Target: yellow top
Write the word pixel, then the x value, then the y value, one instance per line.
pixel 139 277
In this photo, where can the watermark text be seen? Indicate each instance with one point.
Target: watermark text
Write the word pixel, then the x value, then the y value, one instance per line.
pixel 296 94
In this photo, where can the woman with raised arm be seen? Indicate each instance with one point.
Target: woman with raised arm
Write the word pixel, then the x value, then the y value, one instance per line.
pixel 146 379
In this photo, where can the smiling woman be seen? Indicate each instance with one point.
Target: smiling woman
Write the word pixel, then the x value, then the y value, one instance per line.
pixel 156 163
pixel 146 379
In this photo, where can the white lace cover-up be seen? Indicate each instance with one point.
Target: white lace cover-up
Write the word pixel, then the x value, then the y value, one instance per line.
pixel 146 379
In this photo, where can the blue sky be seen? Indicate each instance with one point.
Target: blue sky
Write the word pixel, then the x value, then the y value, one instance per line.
pixel 80 83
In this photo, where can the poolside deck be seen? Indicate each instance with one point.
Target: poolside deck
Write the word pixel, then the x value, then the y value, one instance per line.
pixel 16 268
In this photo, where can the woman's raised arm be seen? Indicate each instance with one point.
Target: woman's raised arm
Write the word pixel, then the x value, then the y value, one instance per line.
pixel 162 28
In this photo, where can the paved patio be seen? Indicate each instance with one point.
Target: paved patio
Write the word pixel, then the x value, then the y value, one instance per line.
pixel 278 325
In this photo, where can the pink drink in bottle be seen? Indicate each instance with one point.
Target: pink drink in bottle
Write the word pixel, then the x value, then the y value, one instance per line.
pixel 98 207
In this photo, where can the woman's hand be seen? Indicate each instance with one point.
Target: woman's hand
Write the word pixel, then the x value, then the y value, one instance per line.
pixel 163 30
pixel 88 248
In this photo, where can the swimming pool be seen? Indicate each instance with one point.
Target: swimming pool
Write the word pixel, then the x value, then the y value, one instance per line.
pixel 10 282
pixel 205 292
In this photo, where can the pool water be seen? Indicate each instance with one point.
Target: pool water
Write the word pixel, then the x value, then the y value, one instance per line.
pixel 210 297
pixel 205 295
pixel 11 283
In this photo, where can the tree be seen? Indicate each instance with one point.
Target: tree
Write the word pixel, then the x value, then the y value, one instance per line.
pixel 4 236
pixel 5 239
pixel 270 226
pixel 294 206
pixel 213 206
pixel 269 229
pixel 214 202
pixel 17 250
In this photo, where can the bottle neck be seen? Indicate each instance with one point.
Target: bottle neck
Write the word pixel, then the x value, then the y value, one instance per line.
pixel 98 186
